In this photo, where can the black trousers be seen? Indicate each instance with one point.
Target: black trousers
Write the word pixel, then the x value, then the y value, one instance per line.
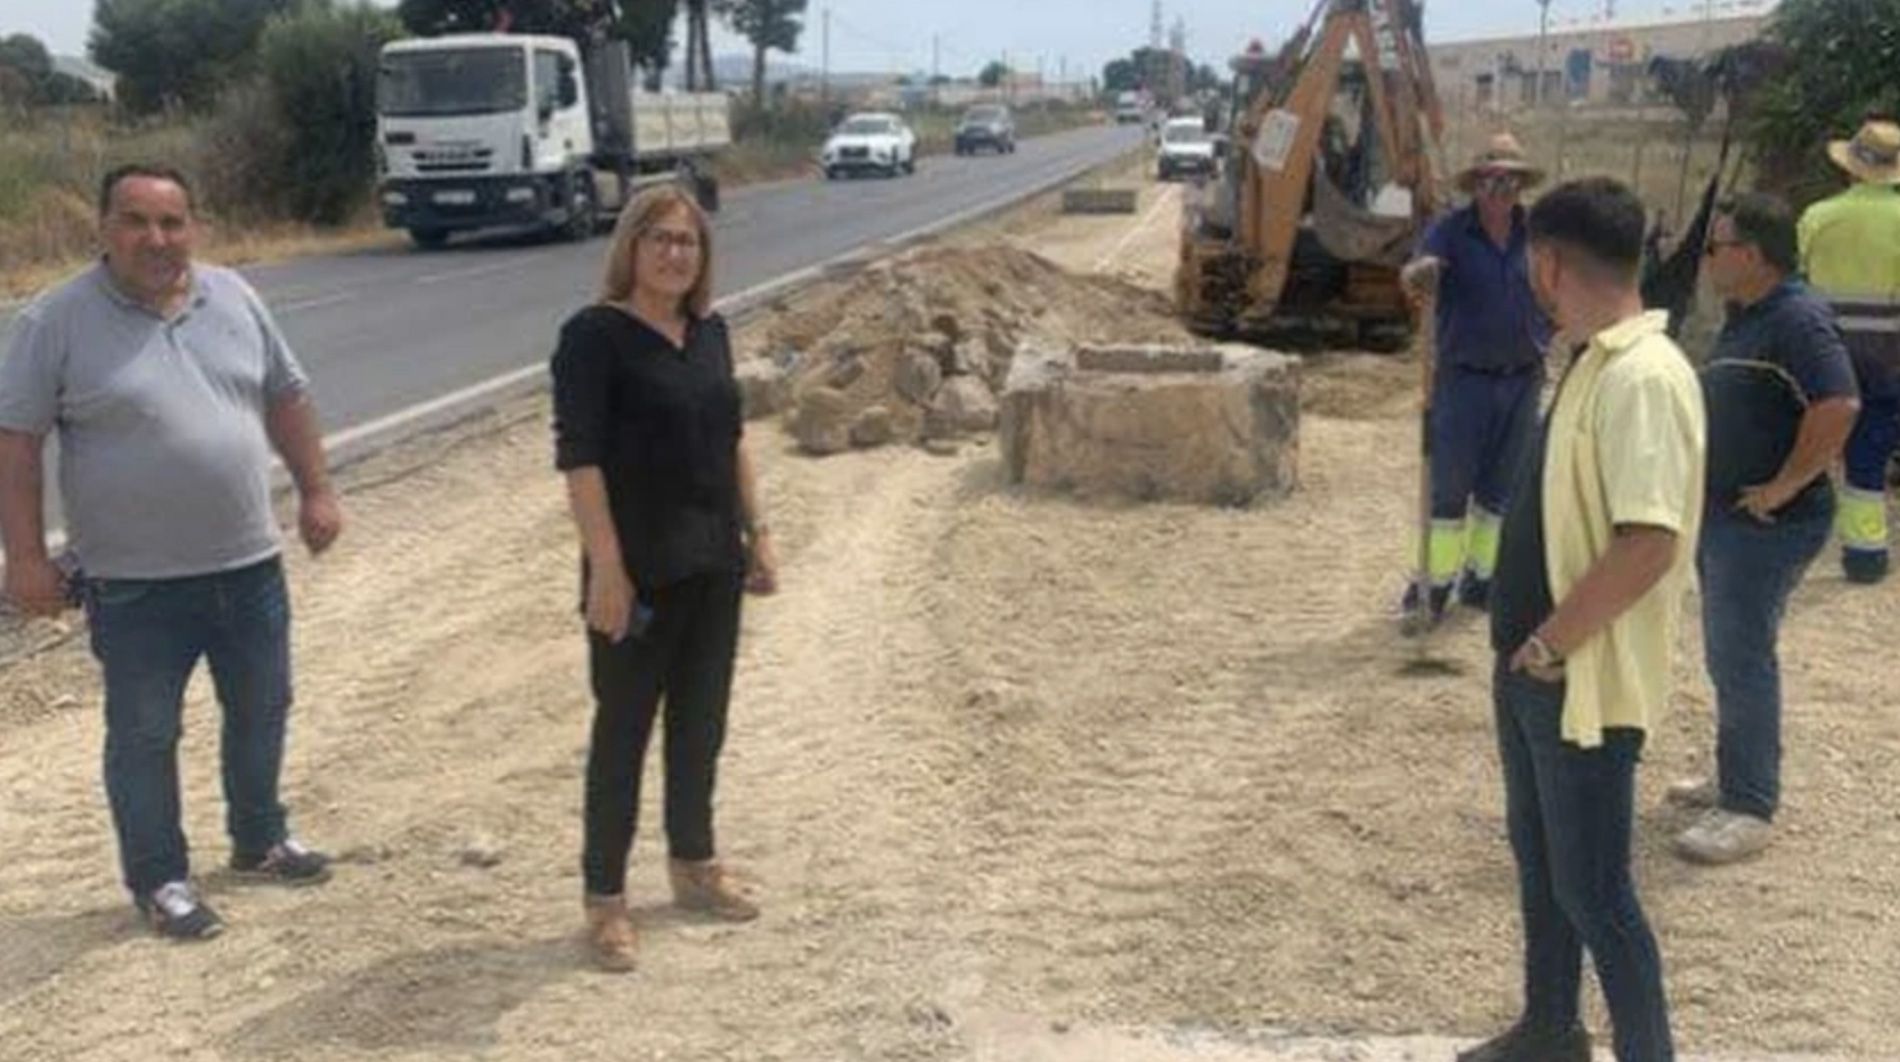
pixel 684 660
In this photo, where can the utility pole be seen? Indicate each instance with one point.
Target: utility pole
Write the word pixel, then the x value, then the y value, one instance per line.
pixel 1009 80
pixel 1543 49
pixel 1156 72
pixel 824 64
pixel 936 65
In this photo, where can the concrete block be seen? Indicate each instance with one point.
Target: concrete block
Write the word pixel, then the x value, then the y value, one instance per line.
pixel 1099 200
pixel 1207 425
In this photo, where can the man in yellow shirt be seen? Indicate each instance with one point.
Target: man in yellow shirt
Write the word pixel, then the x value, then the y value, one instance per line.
pixel 1592 567
pixel 1850 250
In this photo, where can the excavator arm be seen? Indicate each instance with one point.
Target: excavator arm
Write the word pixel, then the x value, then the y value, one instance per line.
pixel 1280 141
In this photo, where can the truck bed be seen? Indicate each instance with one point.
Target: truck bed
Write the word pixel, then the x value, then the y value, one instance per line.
pixel 675 124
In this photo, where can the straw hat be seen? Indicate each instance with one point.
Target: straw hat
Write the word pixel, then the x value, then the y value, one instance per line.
pixel 1872 156
pixel 1503 154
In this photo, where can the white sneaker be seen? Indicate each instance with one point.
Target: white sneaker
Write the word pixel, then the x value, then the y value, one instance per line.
pixel 175 911
pixel 1694 793
pixel 1721 837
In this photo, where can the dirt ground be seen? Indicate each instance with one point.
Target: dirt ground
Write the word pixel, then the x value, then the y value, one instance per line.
pixel 1020 780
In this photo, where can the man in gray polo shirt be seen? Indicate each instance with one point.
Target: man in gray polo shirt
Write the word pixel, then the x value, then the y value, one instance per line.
pixel 169 385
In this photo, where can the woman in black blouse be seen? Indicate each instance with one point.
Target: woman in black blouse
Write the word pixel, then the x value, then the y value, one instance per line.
pixel 650 436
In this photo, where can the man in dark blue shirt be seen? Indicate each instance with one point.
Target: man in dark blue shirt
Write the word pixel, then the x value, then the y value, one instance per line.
pixel 1782 400
pixel 1492 338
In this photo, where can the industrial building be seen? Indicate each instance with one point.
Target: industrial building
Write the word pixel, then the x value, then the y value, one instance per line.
pixel 1595 60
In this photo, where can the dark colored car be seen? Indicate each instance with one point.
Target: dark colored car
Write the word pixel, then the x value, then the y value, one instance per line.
pixel 987 127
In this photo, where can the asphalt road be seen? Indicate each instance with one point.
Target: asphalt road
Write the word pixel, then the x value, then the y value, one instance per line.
pixel 383 331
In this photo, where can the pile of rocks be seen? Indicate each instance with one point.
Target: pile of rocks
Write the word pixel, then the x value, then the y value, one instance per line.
pixel 917 350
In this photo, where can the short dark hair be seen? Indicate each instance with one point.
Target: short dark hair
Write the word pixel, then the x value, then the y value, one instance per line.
pixel 1766 222
pixel 1598 216
pixel 141 169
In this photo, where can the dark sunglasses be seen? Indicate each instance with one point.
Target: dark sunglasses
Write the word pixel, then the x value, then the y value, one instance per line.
pixel 1500 183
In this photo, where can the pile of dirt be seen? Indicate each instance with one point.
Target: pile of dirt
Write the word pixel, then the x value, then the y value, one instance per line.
pixel 918 348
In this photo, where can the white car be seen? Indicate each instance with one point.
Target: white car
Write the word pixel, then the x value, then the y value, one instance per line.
pixel 875 142
pixel 1186 148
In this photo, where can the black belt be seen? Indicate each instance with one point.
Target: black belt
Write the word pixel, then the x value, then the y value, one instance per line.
pixel 1494 370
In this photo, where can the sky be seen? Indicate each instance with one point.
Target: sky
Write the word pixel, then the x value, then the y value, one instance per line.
pixel 895 36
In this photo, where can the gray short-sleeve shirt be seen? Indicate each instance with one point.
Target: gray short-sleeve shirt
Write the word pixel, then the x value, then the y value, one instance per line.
pixel 164 461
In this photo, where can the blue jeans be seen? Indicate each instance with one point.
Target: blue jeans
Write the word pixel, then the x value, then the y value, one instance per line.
pixel 1748 572
pixel 1569 811
pixel 148 635
pixel 1869 453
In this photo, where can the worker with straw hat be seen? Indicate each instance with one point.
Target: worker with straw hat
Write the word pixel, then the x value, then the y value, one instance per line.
pixel 1488 374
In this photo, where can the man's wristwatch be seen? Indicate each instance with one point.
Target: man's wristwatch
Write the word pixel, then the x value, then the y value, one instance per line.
pixel 1541 655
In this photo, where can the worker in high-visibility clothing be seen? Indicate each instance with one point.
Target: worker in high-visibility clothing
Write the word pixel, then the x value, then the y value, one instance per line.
pixel 1492 339
pixel 1850 250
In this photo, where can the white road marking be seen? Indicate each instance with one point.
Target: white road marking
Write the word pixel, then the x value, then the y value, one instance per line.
pixel 311 304
pixel 478 271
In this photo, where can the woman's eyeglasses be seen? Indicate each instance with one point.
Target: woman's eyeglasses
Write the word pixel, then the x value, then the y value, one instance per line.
pixel 672 242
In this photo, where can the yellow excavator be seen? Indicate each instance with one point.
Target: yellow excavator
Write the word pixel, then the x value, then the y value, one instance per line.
pixel 1327 182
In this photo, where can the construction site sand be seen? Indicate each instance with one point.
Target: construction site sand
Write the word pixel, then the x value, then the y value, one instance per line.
pixel 1021 780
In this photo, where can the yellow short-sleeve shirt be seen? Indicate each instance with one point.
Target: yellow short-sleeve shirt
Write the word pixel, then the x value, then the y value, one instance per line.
pixel 1628 444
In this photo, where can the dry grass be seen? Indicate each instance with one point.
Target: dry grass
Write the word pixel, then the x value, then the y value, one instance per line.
pixel 50 167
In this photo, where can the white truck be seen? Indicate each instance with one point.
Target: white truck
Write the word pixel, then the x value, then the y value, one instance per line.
pixel 492 129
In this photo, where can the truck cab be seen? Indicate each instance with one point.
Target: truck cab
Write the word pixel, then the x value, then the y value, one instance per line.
pixel 480 130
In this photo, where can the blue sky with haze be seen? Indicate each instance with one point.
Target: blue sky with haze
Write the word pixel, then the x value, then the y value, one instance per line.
pixel 895 35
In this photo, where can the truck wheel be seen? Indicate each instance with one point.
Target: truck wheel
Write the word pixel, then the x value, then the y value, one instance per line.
pixel 706 192
pixel 430 239
pixel 580 209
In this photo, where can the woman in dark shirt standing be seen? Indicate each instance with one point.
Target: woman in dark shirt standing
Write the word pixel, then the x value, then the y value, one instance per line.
pixel 650 436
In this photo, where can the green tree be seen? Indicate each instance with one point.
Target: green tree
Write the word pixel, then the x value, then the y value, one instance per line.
pixel 770 25
pixel 1135 71
pixel 561 18
pixel 1121 75
pixel 320 64
pixel 178 52
pixel 646 25
pixel 27 75
pixel 993 74
pixel 1835 68
pixel 699 65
